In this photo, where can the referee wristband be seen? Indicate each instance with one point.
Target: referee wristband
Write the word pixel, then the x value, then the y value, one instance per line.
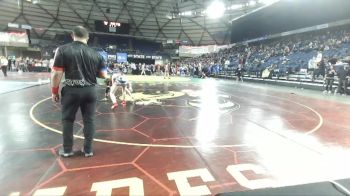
pixel 54 90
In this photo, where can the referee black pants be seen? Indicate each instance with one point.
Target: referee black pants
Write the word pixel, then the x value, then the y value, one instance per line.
pixel 74 98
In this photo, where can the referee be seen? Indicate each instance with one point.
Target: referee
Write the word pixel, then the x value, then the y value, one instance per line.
pixel 80 65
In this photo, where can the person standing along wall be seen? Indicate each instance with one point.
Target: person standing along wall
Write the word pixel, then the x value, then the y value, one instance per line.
pixel 166 71
pixel 343 75
pixel 4 62
pixel 143 69
pixel 329 80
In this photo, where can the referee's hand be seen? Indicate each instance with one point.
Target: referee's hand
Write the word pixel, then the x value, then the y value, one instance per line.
pixel 55 97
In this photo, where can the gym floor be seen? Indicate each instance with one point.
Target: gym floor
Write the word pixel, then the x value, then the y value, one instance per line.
pixel 180 136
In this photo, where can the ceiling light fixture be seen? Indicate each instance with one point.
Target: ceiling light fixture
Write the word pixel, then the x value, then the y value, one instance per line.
pixel 267 2
pixel 216 9
pixel 252 3
pixel 235 7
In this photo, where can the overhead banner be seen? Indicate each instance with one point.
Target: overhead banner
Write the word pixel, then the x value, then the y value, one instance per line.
pixel 141 56
pixel 112 58
pixel 122 57
pixel 194 51
pixel 14 39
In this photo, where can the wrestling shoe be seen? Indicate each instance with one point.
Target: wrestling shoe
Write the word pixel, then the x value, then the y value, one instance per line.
pixel 114 106
pixel 65 154
pixel 104 99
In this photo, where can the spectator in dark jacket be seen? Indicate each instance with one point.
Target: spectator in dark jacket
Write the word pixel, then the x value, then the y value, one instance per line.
pixel 330 73
pixel 343 75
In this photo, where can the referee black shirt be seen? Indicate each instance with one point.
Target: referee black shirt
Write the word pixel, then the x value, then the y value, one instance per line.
pixel 80 63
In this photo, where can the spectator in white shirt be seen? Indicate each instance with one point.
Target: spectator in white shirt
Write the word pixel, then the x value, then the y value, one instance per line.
pixel 4 62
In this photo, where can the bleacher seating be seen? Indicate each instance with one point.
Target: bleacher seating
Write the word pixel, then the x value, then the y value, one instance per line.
pixel 286 57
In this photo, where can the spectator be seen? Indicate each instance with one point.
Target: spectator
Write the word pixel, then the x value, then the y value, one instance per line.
pixel 330 78
pixel 320 70
pixel 343 75
pixel 4 63
pixel 239 73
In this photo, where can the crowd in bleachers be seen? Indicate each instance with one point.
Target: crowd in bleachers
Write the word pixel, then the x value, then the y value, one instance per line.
pixel 11 64
pixel 299 54
pixel 148 69
pixel 307 55
pixel 28 64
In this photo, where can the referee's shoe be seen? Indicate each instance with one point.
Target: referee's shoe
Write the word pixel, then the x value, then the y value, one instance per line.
pixel 87 154
pixel 65 154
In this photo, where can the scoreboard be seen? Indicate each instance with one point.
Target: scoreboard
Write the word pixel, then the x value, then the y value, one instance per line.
pixel 112 27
